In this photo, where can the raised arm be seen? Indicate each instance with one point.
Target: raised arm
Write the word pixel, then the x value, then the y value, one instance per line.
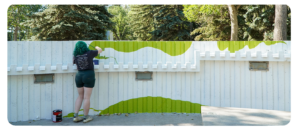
pixel 99 49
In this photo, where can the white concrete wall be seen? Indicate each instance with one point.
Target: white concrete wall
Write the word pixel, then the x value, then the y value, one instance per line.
pixel 219 79
pixel 219 83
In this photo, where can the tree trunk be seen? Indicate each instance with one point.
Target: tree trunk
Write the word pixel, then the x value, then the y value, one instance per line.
pixel 233 11
pixel 280 29
pixel 16 33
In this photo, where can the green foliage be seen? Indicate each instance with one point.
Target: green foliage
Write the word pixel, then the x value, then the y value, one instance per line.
pixel 170 23
pixel 121 29
pixel 255 22
pixel 71 22
pixel 16 14
pixel 141 21
pixel 214 21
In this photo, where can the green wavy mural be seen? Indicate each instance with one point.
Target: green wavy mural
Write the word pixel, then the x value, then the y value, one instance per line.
pixel 234 46
pixel 150 104
pixel 173 48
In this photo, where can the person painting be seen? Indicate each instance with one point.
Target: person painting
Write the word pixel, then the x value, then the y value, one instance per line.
pixel 85 78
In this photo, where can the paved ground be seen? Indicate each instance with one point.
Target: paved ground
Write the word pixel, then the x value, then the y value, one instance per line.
pixel 211 116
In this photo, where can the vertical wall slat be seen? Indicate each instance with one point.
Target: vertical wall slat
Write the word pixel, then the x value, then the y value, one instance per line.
pixel 202 83
pixel 197 91
pixel 150 53
pixel 194 92
pixel 243 84
pixel 135 93
pixel 43 101
pixel 14 52
pixel 37 101
pixel 125 91
pixel 31 98
pixel 187 53
pixel 49 101
pixel 131 78
pixel 264 90
pixel 139 95
pixel 227 84
pixel 222 83
pixel 9 91
pixel 104 86
pixel 252 89
pixel 217 83
pixel 178 91
pixel 37 52
pixel 31 54
pixel 20 97
pixel 20 54
pixel 287 102
pixel 258 90
pixel 159 92
pixel 44 52
pixel 115 91
pixel 48 52
pixel 145 107
pixel 154 92
pixel 25 101
pixel 281 85
pixel 71 89
pixel 173 89
pixel 276 85
pixel 237 84
pixel 111 92
pixel 95 94
pixel 187 87
pixel 65 46
pixel 59 91
pixel 149 97
pixel 9 53
pixel 212 82
pixel 183 92
pixel 121 92
pixel 169 91
pixel 232 84
pixel 14 98
pixel 65 95
pixel 270 87
pixel 25 53
pixel 164 91
pixel 207 82
pixel 248 85
pixel 54 49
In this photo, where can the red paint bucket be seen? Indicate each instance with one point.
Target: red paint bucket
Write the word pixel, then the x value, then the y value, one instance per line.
pixel 57 115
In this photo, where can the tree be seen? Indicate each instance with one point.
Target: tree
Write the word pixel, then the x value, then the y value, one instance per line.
pixel 71 22
pixel 141 21
pixel 233 11
pixel 214 21
pixel 121 29
pixel 16 14
pixel 280 29
pixel 170 23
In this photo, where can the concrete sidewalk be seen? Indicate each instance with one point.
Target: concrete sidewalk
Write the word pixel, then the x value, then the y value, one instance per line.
pixel 211 116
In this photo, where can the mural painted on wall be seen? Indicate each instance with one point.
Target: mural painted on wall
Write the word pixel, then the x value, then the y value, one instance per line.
pixel 234 46
pixel 173 48
pixel 159 104
pixel 149 104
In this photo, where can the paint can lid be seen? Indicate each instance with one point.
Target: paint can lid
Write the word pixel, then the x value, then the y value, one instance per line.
pixel 57 110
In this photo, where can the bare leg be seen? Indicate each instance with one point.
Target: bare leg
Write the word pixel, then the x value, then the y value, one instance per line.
pixel 79 99
pixel 86 103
